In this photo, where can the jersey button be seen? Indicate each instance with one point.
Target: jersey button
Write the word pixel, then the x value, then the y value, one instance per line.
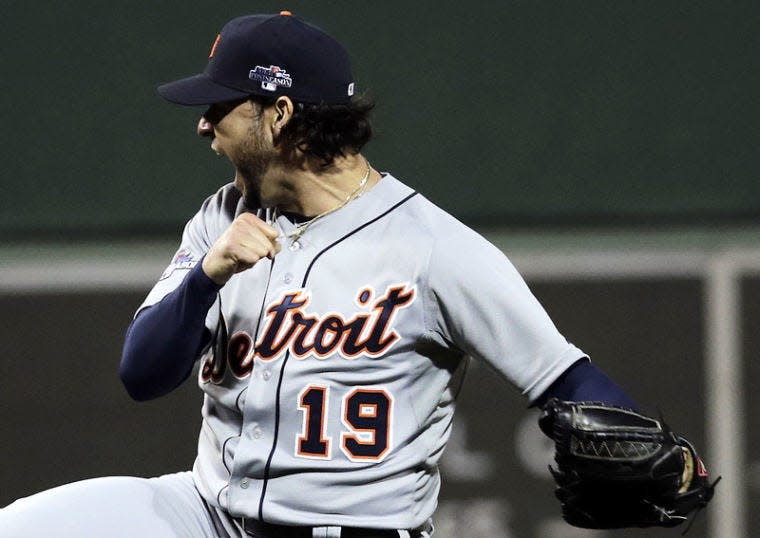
pixel 295 245
pixel 288 278
pixel 266 374
pixel 244 483
pixel 257 433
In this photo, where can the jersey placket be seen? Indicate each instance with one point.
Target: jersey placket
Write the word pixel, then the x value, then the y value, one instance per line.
pixel 259 432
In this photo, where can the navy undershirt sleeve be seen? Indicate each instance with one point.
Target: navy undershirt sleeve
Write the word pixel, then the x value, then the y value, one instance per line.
pixel 584 382
pixel 164 340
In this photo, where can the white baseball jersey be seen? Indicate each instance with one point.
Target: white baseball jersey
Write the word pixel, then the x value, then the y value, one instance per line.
pixel 333 400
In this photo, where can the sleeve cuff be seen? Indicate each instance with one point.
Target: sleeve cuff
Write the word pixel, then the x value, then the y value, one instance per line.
pixel 200 281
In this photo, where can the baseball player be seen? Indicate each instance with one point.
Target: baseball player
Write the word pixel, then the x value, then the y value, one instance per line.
pixel 332 309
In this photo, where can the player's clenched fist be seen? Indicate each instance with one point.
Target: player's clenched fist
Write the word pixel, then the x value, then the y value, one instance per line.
pixel 245 242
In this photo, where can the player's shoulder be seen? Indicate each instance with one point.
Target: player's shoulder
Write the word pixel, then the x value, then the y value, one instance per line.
pixel 442 235
pixel 226 201
pixel 429 218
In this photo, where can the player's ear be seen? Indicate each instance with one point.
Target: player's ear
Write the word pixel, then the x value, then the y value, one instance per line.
pixel 283 111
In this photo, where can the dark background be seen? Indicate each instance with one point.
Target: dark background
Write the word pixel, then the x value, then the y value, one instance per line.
pixel 520 112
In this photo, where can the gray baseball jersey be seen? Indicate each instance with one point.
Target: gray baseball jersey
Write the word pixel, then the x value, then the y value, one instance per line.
pixel 331 384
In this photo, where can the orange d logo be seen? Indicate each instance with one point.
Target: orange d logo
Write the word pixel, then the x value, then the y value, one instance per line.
pixel 213 47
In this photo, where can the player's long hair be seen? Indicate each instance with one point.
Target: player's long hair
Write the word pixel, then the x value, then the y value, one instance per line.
pixel 327 131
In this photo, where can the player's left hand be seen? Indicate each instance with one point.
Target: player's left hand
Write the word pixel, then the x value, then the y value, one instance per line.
pixel 618 468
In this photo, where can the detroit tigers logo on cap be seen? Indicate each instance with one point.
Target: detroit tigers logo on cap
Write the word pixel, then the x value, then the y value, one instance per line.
pixel 215 45
pixel 271 77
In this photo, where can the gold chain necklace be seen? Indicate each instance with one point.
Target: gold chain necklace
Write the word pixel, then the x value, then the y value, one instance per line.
pixel 301 228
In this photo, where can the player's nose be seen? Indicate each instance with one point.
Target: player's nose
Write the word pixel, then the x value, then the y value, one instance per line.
pixel 205 127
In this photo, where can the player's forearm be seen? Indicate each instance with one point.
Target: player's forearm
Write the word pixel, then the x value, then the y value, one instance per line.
pixel 585 382
pixel 164 340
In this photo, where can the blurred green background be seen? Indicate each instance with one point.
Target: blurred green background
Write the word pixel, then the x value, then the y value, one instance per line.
pixel 522 113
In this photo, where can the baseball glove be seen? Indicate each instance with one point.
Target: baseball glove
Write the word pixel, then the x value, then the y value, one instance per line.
pixel 618 468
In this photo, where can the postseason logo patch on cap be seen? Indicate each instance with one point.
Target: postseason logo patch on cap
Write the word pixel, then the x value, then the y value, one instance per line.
pixel 271 77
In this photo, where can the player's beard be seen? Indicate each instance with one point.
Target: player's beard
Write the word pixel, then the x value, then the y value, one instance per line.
pixel 252 163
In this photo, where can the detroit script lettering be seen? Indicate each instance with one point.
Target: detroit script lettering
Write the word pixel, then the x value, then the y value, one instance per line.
pixel 291 328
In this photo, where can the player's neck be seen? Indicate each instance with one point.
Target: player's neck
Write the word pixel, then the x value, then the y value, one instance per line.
pixel 318 190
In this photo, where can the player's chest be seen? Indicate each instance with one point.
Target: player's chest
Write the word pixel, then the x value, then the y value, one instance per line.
pixel 358 304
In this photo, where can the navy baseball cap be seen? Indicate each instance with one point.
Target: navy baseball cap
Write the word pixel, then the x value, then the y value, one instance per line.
pixel 269 55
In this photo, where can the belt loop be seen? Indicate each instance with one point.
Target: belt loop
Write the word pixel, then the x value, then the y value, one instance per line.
pixel 326 532
pixel 404 534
